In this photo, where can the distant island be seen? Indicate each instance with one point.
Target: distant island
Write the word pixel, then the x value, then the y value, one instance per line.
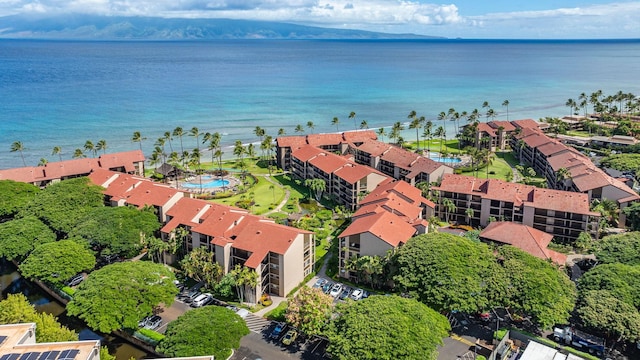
pixel 87 27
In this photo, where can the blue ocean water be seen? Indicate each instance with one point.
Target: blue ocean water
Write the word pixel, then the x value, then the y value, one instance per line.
pixel 62 93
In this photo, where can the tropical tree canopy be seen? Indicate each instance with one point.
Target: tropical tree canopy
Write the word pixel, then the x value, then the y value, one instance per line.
pixel 622 248
pixel 19 237
pixel 62 205
pixel 600 310
pixel 56 262
pixel 309 310
pixel 119 295
pixel 120 229
pixel 17 309
pixel 200 265
pixel 623 281
pixel 210 330
pixel 14 196
pixel 448 272
pixel 386 327
pixel 537 288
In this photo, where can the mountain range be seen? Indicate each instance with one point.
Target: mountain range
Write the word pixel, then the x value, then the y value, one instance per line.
pixel 88 27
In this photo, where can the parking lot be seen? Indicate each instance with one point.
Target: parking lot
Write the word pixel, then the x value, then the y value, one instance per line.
pixel 262 346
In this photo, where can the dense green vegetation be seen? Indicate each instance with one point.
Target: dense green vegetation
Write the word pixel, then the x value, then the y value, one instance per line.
pixel 63 204
pixel 16 309
pixel 309 310
pixel 210 330
pixel 100 299
pixel 622 248
pixel 56 262
pixel 15 195
pixel 119 230
pixel 449 272
pixel 386 327
pixel 622 162
pixel 19 237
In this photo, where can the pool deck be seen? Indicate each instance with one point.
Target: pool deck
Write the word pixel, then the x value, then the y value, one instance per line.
pixel 195 180
pixel 465 160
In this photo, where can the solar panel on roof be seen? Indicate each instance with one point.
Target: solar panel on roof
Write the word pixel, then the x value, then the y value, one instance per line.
pixel 2 339
pixel 30 356
pixel 49 355
pixel 12 356
pixel 68 354
pixel 4 357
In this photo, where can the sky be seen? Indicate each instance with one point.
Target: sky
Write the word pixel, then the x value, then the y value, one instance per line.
pixel 506 19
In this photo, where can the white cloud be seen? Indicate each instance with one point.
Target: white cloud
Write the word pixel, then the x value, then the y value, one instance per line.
pixel 613 20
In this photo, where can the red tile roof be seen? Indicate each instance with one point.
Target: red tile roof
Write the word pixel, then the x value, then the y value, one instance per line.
pixel 392 203
pixel 291 141
pixel 506 125
pixel 306 152
pixel 328 162
pixel 186 212
pixel 384 225
pixel 552 148
pixel 484 127
pixel 374 148
pixel 324 139
pixel 71 168
pixel 536 139
pixel 400 157
pixel 402 188
pixel 149 193
pixel 525 238
pixel 526 124
pixel 359 136
pixel 352 173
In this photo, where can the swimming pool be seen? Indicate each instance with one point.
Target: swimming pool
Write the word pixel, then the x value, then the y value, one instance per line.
pixel 447 160
pixel 207 183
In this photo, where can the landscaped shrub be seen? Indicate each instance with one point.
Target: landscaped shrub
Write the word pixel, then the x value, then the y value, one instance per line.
pixel 68 290
pixel 149 335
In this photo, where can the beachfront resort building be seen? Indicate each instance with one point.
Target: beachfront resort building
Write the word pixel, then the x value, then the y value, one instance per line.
pixel 129 162
pixel 566 168
pixel 18 341
pixel 477 202
pixel 496 135
pixel 282 256
pixel 345 181
pixel 387 218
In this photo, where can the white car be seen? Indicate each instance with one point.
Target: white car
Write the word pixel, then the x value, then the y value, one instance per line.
pixel 336 290
pixel 202 300
pixel 356 294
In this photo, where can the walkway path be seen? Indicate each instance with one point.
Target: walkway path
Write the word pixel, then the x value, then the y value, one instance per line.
pixel 287 194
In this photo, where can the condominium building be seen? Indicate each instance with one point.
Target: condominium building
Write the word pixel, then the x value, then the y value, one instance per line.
pixel 129 162
pixel 282 256
pixel 469 200
pixel 345 181
pixel 496 135
pixel 566 168
pixel 387 218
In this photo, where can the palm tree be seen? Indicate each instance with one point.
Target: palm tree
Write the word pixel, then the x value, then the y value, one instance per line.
pixel 416 123
pixel 299 129
pixel 381 132
pixel 88 146
pixel 57 150
pixel 469 213
pixel 168 138
pixel 488 159
pixel 352 115
pixel 336 122
pixel 506 104
pixel 395 131
pixel 449 207
pixel 78 153
pixel 281 132
pixel 562 175
pixel 364 124
pixel 317 186
pixel 491 114
pixel 101 145
pixel 428 133
pixel 571 104
pixel 260 132
pixel 195 132
pixel 239 150
pixel 179 133
pixel 441 134
pixel 311 126
pixel 137 137
pixel 19 146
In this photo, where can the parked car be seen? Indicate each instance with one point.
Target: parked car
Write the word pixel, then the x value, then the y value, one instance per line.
pixel 192 296
pixel 365 294
pixel 143 322
pixel 320 283
pixel 201 300
pixel 278 330
pixel 289 337
pixel 336 290
pixel 327 287
pixel 153 322
pixel 76 280
pixel 346 291
pixel 356 294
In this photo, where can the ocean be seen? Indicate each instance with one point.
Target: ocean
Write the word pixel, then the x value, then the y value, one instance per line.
pixel 63 93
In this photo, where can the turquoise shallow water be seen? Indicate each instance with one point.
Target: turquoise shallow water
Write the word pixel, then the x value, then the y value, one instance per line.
pixel 64 93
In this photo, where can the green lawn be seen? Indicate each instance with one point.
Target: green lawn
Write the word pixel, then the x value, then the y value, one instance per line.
pixel 435 145
pixel 265 198
pixel 497 170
